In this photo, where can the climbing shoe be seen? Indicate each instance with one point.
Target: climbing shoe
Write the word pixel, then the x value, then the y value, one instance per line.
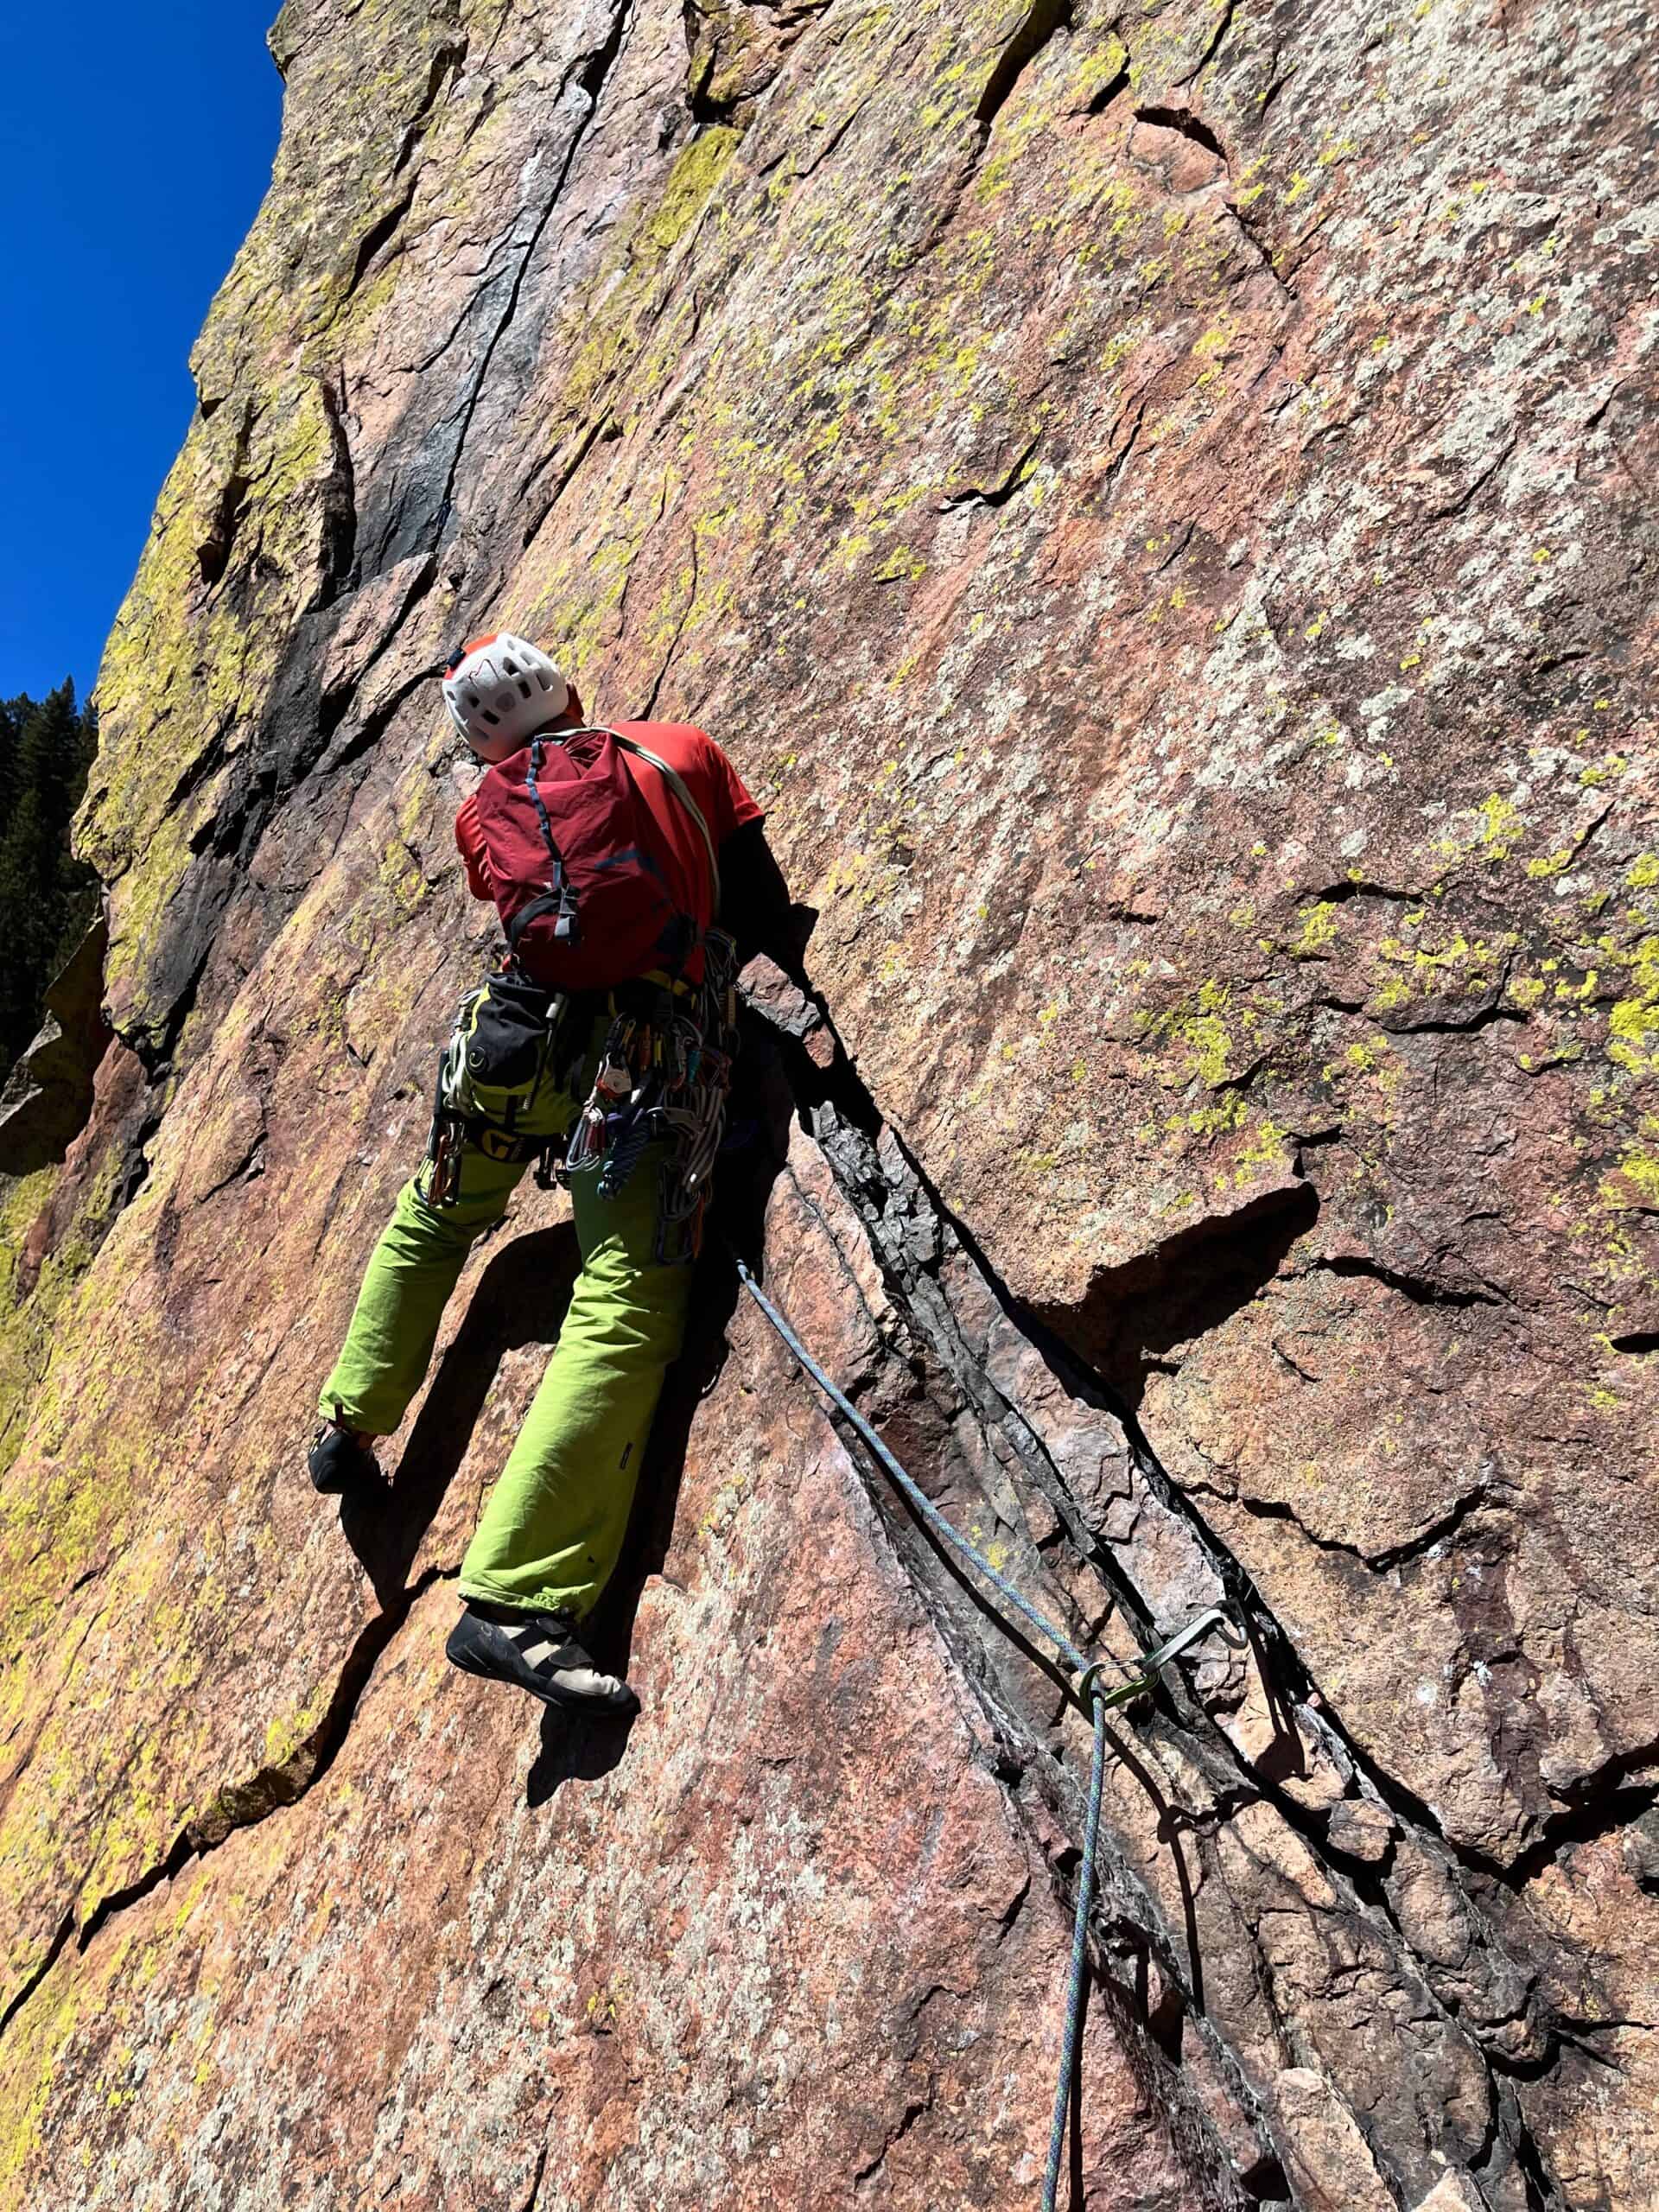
pixel 537 1652
pixel 340 1460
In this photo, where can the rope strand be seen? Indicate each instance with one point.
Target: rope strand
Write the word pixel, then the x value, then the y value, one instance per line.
pixel 1079 1965
pixel 1085 1688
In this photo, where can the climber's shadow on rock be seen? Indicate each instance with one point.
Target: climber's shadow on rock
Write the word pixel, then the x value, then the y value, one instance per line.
pixel 520 1299
pixel 574 1749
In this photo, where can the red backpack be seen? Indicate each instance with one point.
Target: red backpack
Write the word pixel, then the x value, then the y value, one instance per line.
pixel 589 899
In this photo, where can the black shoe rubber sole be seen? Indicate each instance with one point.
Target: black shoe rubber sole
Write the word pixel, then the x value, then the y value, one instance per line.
pixel 337 1463
pixel 461 1652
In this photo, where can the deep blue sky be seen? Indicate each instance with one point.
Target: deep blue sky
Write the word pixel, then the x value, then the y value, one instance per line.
pixel 136 143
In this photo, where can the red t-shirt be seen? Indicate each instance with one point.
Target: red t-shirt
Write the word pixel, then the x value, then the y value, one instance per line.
pixel 706 772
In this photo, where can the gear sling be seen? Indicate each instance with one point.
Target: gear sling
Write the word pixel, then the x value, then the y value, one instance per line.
pixel 530 1062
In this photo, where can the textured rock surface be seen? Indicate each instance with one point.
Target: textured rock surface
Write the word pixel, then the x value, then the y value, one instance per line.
pixel 1160 504
pixel 48 1095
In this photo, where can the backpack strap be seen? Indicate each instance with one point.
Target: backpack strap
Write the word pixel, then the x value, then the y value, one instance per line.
pixel 558 899
pixel 676 784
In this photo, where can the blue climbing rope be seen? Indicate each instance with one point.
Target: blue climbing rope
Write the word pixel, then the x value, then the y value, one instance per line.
pixel 912 1490
pixel 1079 1965
pixel 1084 1686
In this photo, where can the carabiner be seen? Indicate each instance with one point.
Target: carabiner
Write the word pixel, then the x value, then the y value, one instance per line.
pixel 1085 1686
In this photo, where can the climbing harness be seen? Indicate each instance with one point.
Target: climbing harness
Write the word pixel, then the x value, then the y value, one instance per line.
pixel 1084 1686
pixel 665 1074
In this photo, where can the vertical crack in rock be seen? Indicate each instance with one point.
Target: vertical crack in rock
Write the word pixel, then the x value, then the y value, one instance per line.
pixel 376 235
pixel 213 550
pixel 1229 9
pixel 340 495
pixel 536 2176
pixel 588 74
pixel 602 427
pixel 936 1357
pixel 447 63
pixel 55 1951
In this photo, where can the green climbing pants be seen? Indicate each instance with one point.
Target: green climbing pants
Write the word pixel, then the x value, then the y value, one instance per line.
pixel 553 1528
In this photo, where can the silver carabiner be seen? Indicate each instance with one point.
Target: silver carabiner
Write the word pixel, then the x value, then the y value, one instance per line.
pixel 1086 1686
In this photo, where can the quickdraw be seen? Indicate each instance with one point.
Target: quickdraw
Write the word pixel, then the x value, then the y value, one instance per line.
pixel 665 1076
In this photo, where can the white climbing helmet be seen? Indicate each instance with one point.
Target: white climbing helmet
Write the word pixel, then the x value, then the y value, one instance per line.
pixel 500 691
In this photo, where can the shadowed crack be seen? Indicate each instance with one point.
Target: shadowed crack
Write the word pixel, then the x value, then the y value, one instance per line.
pixel 1418 1288
pixel 911 1235
pixel 339 496
pixel 336 704
pixel 1112 90
pixel 376 235
pixel 588 74
pixel 245 1804
pixel 1460 501
pixel 55 1951
pixel 375 726
pixel 1436 1533
pixel 1229 10
pixel 447 63
pixel 913 2111
pixel 1610 1800
pixel 1467 1025
pixel 214 554
pixel 1001 494
pixel 248 1165
pixel 1189 125
pixel 1044 20
pixel 1334 894
pixel 602 428
pixel 536 2178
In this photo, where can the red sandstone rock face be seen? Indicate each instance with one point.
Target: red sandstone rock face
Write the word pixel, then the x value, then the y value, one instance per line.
pixel 1158 507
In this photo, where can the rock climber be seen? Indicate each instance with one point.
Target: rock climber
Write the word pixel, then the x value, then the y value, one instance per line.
pixel 602 1046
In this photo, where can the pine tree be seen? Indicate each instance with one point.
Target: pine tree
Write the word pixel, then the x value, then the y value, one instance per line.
pixel 47 897
pixel 13 713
